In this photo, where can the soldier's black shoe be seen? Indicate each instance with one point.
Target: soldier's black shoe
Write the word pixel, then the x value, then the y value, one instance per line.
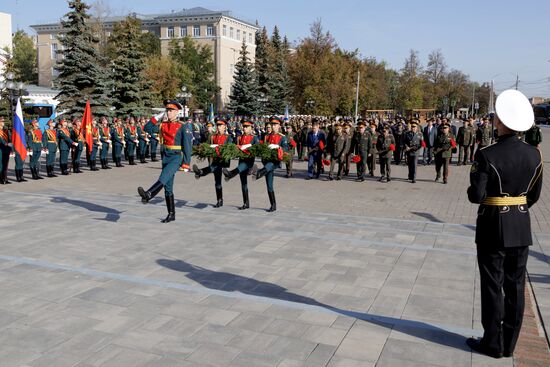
pixel 219 198
pixel 359 179
pixel 197 171
pixel 388 179
pixel 272 201
pixel 229 174
pixel 151 193
pixel 437 178
pixel 246 203
pixel 261 173
pixel 338 178
pixel 171 210
pixel 477 345
pixel 64 169
pixel 330 178
pixel 78 168
pixel 142 160
pixel 309 177
pixel 19 175
pixel 93 166
pixel 253 171
pixel 445 181
pixel 413 181
pixel 131 161
pixel 381 179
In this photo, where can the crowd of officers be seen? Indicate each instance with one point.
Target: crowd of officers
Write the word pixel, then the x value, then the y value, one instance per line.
pixel 329 145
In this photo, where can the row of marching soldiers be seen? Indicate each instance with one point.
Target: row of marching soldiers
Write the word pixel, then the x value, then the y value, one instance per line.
pixel 124 138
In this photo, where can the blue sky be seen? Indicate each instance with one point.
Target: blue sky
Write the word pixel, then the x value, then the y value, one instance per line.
pixel 485 39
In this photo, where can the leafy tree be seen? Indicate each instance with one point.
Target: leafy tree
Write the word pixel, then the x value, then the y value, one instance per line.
pixel 81 76
pixel 130 89
pixel 25 58
pixel 411 83
pixel 244 94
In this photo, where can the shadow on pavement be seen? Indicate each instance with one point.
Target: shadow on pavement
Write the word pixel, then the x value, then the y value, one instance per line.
pixel 111 215
pixel 229 282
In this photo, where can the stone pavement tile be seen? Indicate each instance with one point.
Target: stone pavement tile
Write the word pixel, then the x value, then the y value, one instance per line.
pixel 428 353
pixel 118 324
pixel 172 362
pixel 116 356
pixel 139 338
pixel 82 345
pixel 337 361
pixel 439 310
pixel 255 359
pixel 287 362
pixel 91 309
pixel 251 341
pixel 218 316
pixel 479 360
pixel 31 338
pixel 176 347
pixel 214 355
pixel 15 356
pixel 283 312
pixel 286 328
pixel 61 321
pixel 318 317
pixel 343 322
pixel 367 349
pixel 320 356
pixel 217 301
pixel 396 362
pixel 325 335
pixel 290 348
pixel 252 322
pixel 215 334
pixel 7 317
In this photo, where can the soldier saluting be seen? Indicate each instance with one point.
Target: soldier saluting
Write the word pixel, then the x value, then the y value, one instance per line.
pixel 506 180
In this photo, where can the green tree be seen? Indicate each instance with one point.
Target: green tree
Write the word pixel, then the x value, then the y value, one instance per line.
pixel 130 93
pixel 244 94
pixel 25 58
pixel 196 64
pixel 411 83
pixel 81 76
pixel 262 64
pixel 278 82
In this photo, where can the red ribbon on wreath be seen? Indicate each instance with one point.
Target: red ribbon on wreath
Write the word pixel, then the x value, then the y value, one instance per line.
pixel 280 154
pixel 293 143
pixel 218 151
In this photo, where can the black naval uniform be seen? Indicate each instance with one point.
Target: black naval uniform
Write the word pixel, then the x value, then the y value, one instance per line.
pixel 506 180
pixel 413 142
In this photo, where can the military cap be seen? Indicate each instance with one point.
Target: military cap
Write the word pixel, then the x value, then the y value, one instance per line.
pixel 172 105
pixel 209 123
pixel 361 123
pixel 247 123
pixel 275 120
pixel 221 122
pixel 514 110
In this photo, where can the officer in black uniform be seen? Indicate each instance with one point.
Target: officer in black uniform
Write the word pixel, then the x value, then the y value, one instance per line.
pixel 506 180
pixel 412 142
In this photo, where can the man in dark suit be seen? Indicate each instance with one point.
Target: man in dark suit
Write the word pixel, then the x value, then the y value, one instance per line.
pixel 316 142
pixel 429 133
pixel 506 180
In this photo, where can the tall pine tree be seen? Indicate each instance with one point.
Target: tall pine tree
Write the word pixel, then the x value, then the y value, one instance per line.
pixel 130 88
pixel 262 64
pixel 278 81
pixel 244 94
pixel 81 76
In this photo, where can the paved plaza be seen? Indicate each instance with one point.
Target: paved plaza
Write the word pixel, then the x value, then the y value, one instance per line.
pixel 342 274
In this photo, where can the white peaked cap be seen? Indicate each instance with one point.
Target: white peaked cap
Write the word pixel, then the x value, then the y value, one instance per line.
pixel 514 110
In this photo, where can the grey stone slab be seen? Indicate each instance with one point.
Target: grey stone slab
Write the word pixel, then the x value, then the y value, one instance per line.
pixel 214 355
pixel 321 355
pixel 255 359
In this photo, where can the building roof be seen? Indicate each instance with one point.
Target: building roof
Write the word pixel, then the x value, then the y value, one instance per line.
pixel 158 18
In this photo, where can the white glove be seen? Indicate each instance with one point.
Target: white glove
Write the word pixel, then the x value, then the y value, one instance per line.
pixel 246 146
pixel 213 145
pixel 273 146
pixel 75 144
pixel 159 116
pixel 29 152
pixel 108 142
pixel 10 145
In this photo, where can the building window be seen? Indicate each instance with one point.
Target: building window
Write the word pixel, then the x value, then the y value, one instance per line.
pixel 54 51
pixel 231 34
pixel 224 30
pixel 196 31
pixel 250 38
pixel 238 34
pixel 55 72
pixel 170 32
pixel 183 31
pixel 52 36
pixel 210 30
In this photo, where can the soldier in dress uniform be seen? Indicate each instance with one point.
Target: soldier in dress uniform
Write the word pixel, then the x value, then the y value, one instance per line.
pixel 278 141
pixel 385 146
pixel 143 140
pixel 413 140
pixel 506 180
pixel 464 140
pixel 361 145
pixel 49 141
pixel 338 148
pixel 131 138
pixel 220 138
pixel 96 145
pixel 34 141
pixel 105 138
pixel 152 129
pixel 349 133
pixel 174 143
pixel 484 132
pixel 244 142
pixel 78 137
pixel 65 145
pixel 443 150
pixel 117 137
pixel 292 143
pixel 371 158
pixel 5 149
pixel 533 136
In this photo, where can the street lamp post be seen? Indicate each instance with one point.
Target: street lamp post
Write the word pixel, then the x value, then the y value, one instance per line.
pixel 263 100
pixel 14 90
pixel 310 103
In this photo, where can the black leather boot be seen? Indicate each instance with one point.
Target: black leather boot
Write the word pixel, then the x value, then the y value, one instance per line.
pixel 201 172
pixel 107 164
pixel 37 171
pixel 259 173
pixel 77 164
pixel 246 203
pixel 171 209
pixel 132 163
pixel 64 169
pixel 219 198
pixel 93 166
pixel 151 193
pixel 230 174
pixel 154 158
pixel 271 195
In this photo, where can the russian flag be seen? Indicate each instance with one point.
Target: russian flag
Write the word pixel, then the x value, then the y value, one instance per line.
pixel 286 114
pixel 18 138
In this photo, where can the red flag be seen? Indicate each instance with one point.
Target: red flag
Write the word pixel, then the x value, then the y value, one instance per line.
pixel 87 125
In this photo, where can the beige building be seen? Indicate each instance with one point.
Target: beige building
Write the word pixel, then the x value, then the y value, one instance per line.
pixel 222 31
pixel 5 40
